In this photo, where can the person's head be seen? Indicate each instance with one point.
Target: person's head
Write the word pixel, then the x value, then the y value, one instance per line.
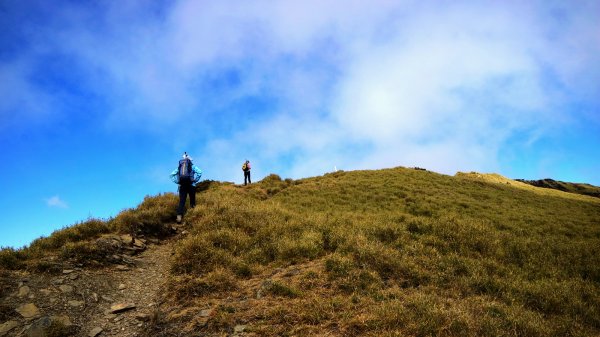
pixel 186 156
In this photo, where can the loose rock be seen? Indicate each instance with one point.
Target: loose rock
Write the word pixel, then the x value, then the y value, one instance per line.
pixel 59 280
pixel 46 292
pixel 23 291
pixel 95 332
pixel 206 312
pixel 76 303
pixel 40 326
pixel 7 326
pixel 65 288
pixel 28 311
pixel 120 307
pixel 142 317
pixel 239 328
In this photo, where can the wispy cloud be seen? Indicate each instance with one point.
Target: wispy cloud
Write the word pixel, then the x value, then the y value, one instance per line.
pixel 57 202
pixel 440 85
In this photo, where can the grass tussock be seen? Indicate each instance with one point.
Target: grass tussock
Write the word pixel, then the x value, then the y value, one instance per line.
pixel 392 252
pixel 148 218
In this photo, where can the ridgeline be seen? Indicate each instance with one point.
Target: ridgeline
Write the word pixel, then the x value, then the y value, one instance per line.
pixel 393 252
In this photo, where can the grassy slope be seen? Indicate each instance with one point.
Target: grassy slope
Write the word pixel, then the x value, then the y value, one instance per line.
pixel 381 253
pixel 388 252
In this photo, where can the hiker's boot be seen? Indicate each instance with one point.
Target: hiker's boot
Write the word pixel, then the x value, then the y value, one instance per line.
pixel 178 218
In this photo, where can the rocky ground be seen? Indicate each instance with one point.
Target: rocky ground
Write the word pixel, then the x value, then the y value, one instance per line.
pixel 119 300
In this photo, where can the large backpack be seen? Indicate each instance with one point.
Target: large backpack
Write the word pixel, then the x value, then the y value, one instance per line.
pixel 185 172
pixel 244 167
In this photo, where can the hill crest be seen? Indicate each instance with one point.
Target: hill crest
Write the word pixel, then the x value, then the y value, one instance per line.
pixel 374 253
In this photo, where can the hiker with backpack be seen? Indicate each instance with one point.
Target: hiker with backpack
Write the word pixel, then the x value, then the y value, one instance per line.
pixel 246 169
pixel 186 175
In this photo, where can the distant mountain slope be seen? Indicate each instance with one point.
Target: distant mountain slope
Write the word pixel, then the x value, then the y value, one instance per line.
pixel 585 189
pixel 564 190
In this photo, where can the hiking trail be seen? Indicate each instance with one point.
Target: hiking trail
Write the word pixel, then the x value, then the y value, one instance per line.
pixel 116 300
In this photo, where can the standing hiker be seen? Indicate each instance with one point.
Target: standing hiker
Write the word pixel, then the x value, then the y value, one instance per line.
pixel 186 175
pixel 246 169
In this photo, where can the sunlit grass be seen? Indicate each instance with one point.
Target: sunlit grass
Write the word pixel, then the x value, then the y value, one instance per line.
pixel 397 252
pixel 391 252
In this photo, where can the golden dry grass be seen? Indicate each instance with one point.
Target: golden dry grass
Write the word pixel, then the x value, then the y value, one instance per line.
pixel 394 252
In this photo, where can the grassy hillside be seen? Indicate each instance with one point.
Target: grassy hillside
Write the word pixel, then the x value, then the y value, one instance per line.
pixel 386 253
pixel 395 252
pixel 81 243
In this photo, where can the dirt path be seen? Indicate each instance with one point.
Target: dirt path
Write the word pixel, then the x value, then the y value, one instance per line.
pixel 86 299
pixel 138 287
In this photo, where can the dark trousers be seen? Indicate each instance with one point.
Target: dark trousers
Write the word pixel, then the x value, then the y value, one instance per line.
pixel 184 190
pixel 247 177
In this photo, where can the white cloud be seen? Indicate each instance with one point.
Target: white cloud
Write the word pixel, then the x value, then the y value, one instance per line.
pixel 56 201
pixel 350 83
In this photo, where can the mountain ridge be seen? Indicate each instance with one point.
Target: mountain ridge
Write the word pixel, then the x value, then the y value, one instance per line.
pixel 374 253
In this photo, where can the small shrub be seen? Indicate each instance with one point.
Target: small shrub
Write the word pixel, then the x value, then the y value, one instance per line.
pixel 280 289
pixel 360 281
pixel 43 266
pixel 306 246
pixel 418 226
pixel 242 269
pixel 339 266
pixel 149 218
pixel 196 255
pixel 58 329
pixel 233 240
pixel 187 287
pixel 86 230
pixel 11 259
pixel 84 252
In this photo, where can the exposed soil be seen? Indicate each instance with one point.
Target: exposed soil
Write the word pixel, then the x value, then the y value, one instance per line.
pixel 81 298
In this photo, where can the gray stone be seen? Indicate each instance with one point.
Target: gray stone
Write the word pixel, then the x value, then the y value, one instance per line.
pixel 120 307
pixel 7 326
pixel 59 280
pixel 95 332
pixel 206 312
pixel 106 298
pixel 76 304
pixel 239 328
pixel 24 291
pixel 63 319
pixel 28 311
pixel 65 288
pixel 40 326
pixel 46 292
pixel 142 317
pixel 68 271
pixel 122 286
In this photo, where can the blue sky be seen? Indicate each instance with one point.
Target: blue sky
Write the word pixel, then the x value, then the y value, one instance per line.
pixel 100 98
